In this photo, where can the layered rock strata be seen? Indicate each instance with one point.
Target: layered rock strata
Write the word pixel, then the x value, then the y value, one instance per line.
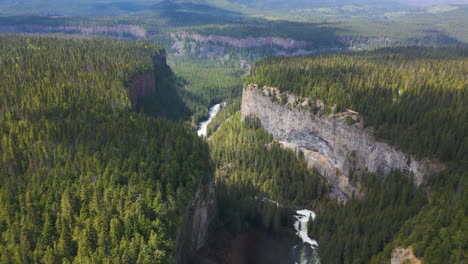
pixel 336 148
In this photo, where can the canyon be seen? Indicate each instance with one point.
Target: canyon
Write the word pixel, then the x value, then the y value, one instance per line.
pixel 193 229
pixel 144 84
pixel 120 30
pixel 192 232
pixel 339 151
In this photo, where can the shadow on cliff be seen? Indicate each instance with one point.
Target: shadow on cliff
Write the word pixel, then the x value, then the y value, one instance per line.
pixel 165 100
pixel 248 229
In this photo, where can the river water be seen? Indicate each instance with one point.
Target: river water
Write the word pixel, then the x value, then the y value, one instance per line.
pixel 307 251
pixel 203 127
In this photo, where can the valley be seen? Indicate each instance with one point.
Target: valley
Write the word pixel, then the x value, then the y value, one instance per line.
pixel 231 131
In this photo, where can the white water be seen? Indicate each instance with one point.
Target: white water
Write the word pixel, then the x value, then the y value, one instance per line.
pixel 302 218
pixel 202 129
pixel 307 252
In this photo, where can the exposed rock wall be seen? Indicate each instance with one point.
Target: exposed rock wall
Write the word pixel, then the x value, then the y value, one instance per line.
pixel 121 30
pixel 144 84
pixel 249 42
pixel 329 144
pixel 193 230
pixel 141 86
pixel 404 256
pixel 161 60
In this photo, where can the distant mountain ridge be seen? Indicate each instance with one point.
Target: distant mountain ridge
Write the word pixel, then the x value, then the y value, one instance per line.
pixel 433 2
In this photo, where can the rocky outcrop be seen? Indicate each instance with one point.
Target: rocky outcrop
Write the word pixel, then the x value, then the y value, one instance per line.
pixel 330 143
pixel 213 46
pixel 161 60
pixel 193 230
pixel 404 256
pixel 144 84
pixel 120 30
pixel 249 42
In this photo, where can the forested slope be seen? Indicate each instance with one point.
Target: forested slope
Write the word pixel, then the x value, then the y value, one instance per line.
pixel 258 185
pixel 414 98
pixel 83 178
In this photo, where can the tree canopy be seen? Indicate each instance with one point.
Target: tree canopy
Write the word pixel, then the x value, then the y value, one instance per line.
pixel 83 178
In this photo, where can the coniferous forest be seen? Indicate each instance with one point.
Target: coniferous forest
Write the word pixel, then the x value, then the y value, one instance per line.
pixel 101 102
pixel 406 95
pixel 85 179
pixel 253 167
pixel 414 98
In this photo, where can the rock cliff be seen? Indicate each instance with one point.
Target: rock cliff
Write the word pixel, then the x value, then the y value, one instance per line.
pixel 249 42
pixel 118 30
pixel 404 256
pixel 193 229
pixel 337 148
pixel 144 84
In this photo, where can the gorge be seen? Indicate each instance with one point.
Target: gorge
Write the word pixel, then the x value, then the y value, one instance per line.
pixel 233 132
pixel 330 145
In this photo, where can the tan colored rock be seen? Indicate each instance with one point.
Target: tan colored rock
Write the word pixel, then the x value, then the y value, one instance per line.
pixel 404 256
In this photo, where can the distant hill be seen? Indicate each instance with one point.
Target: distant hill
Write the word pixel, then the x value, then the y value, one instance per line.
pixel 432 2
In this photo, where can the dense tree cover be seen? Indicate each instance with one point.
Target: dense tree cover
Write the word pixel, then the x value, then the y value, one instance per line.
pixel 438 234
pixel 83 178
pixel 395 214
pixel 169 100
pixel 354 232
pixel 415 98
pixel 227 112
pixel 251 167
pixel 406 94
pixel 204 83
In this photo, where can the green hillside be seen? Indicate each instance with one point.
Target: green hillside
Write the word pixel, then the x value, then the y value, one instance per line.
pixel 85 179
pixel 414 98
pixel 99 166
pixel 406 94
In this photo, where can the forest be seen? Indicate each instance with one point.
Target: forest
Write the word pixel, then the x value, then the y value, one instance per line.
pixel 414 98
pixel 406 95
pixel 87 177
pixel 258 183
pixel 359 230
pixel 204 83
pixel 254 172
pixel 84 178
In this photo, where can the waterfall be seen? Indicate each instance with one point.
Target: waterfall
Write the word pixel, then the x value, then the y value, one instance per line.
pixel 203 128
pixel 307 251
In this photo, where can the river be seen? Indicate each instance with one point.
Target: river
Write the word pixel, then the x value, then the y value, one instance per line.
pixel 307 251
pixel 203 127
pixel 304 253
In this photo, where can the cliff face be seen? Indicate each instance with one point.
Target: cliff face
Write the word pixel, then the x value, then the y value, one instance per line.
pixel 337 150
pixel 144 84
pixel 193 229
pixel 404 255
pixel 120 30
pixel 249 42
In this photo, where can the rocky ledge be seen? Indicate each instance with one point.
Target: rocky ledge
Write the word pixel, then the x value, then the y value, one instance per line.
pixel 336 145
